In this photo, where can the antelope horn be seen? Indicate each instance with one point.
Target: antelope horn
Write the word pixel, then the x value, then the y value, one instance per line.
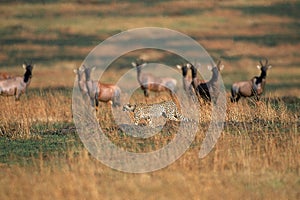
pixel 219 62
pixel 261 63
pixel 266 61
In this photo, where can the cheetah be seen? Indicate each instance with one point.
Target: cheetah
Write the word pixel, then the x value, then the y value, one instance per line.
pixel 167 109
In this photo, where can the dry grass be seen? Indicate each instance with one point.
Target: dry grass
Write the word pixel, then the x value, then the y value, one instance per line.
pixel 257 156
pixel 236 168
pixel 45 107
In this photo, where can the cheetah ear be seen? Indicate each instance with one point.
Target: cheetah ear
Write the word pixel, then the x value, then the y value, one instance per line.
pixel 179 66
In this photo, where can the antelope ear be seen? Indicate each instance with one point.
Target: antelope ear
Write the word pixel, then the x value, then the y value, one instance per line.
pixel 209 67
pixel 269 66
pixel 144 64
pixel 178 66
pixel 221 67
pixel 134 64
pixel 24 66
pixel 93 68
pixel 75 70
pixel 189 65
pixel 258 67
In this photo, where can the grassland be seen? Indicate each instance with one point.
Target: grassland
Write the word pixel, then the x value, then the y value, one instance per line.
pixel 257 155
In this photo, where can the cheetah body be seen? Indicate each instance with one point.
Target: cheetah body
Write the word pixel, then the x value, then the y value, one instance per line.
pixel 167 109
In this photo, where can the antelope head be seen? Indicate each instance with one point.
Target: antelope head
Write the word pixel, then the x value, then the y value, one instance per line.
pixel 28 70
pixel 264 67
pixel 88 72
pixel 218 66
pixel 138 63
pixel 184 68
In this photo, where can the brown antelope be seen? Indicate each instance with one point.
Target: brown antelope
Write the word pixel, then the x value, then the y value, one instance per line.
pixel 17 85
pixel 4 76
pixel 253 87
pixel 101 91
pixel 148 82
pixel 186 81
pixel 203 88
pixel 82 84
pixel 81 80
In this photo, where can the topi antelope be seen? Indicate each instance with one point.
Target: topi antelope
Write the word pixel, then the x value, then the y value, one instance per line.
pixel 202 88
pixel 149 82
pixel 17 85
pixel 81 80
pixel 103 92
pixel 82 84
pixel 186 81
pixel 253 87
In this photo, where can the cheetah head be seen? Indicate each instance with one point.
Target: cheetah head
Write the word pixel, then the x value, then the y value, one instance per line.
pixel 129 107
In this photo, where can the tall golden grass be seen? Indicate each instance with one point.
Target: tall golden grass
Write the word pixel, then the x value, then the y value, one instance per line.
pixel 256 156
pixel 235 169
pixel 40 107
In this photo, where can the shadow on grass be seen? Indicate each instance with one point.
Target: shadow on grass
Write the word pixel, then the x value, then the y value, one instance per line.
pixel 65 91
pixel 270 40
pixel 289 9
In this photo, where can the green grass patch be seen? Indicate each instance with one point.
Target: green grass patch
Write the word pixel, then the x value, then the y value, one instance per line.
pixel 22 151
pixel 270 40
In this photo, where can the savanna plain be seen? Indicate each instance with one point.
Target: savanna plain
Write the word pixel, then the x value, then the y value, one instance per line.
pixel 257 155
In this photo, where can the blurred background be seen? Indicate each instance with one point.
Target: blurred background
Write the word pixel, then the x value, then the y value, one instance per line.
pixel 58 35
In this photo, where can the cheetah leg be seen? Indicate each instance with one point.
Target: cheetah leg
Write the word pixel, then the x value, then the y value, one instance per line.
pixel 172 117
pixel 177 115
pixel 136 121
